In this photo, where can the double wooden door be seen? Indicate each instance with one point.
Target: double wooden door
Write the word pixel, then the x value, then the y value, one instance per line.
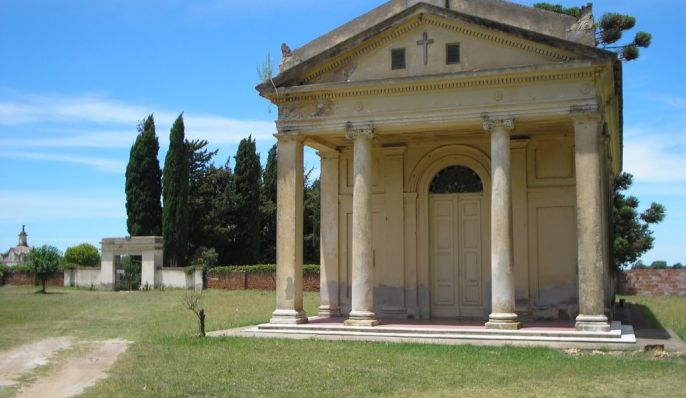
pixel 456 255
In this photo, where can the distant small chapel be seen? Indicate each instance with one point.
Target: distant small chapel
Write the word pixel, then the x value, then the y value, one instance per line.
pixel 467 152
pixel 18 255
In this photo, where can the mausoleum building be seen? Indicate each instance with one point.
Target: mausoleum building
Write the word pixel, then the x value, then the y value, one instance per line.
pixel 467 152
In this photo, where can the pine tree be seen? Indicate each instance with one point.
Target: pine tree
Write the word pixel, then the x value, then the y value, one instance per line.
pixel 268 208
pixel 632 234
pixel 175 197
pixel 246 209
pixel 143 184
pixel 609 30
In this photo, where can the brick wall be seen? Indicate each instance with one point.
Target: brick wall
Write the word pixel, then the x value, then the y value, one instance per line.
pixel 653 282
pixel 22 278
pixel 255 280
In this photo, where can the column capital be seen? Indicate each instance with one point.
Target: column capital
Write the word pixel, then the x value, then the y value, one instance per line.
pixel 328 155
pixel 286 137
pixel 355 130
pixel 491 124
pixel 585 112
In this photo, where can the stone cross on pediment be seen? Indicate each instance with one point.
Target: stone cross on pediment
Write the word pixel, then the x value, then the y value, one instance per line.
pixel 426 42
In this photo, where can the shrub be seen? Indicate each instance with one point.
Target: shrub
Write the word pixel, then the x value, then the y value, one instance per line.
pixel 206 259
pixel 678 266
pixel 83 255
pixel 658 265
pixel 4 270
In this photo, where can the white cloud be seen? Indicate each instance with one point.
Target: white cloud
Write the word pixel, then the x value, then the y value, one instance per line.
pixel 50 113
pixel 96 139
pixel 110 165
pixel 61 109
pixel 21 207
pixel 673 101
pixel 655 155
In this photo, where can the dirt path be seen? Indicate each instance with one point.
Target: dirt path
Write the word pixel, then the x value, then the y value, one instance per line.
pixel 78 373
pixel 22 359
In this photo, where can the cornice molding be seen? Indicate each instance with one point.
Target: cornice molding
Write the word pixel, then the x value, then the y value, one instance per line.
pixel 378 88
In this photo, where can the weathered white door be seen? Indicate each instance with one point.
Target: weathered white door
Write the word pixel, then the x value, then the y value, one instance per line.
pixel 455 236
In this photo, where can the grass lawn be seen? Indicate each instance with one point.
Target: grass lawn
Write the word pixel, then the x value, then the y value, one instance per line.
pixel 167 359
pixel 663 311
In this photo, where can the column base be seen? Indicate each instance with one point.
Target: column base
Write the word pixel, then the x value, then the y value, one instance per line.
pixel 507 321
pixel 361 318
pixel 329 311
pixel 288 317
pixel 592 323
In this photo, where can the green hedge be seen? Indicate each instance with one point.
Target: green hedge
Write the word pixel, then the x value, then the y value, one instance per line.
pixel 307 269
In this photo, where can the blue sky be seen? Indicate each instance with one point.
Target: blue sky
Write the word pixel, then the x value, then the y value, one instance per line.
pixel 76 76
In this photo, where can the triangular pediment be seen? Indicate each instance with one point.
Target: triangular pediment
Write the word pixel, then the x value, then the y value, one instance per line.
pixel 483 45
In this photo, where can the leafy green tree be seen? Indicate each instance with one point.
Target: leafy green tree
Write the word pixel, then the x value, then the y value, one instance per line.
pixel 609 30
pixel 658 264
pixel 312 217
pixel 45 263
pixel 202 195
pixel 246 211
pixel 84 255
pixel 678 266
pixel 632 234
pixel 268 208
pixel 143 184
pixel 175 181
pixel 222 229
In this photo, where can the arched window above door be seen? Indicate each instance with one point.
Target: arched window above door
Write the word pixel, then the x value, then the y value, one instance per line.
pixel 456 179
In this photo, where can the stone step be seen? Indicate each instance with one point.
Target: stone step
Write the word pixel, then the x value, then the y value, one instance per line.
pixel 618 334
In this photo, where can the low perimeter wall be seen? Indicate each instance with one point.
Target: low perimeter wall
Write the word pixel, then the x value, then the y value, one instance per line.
pixel 82 277
pixel 173 278
pixel 26 278
pixel 653 282
pixel 238 280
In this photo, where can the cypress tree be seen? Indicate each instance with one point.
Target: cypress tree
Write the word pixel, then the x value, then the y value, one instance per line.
pixel 175 197
pixel 268 208
pixel 143 184
pixel 246 208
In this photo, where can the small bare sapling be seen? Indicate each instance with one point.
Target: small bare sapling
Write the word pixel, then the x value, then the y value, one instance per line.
pixel 193 301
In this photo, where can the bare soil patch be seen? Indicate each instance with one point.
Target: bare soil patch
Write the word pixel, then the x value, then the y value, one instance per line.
pixel 76 374
pixel 22 359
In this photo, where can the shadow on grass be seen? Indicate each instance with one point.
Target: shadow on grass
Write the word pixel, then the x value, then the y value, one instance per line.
pixel 645 323
pixel 47 293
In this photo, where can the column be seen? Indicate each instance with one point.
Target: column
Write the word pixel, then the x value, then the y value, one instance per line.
pixel 148 269
pixel 107 270
pixel 362 312
pixel 503 314
pixel 587 130
pixel 289 232
pixel 328 305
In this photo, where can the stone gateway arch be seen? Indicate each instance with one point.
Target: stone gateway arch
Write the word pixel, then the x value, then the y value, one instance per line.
pixel 467 152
